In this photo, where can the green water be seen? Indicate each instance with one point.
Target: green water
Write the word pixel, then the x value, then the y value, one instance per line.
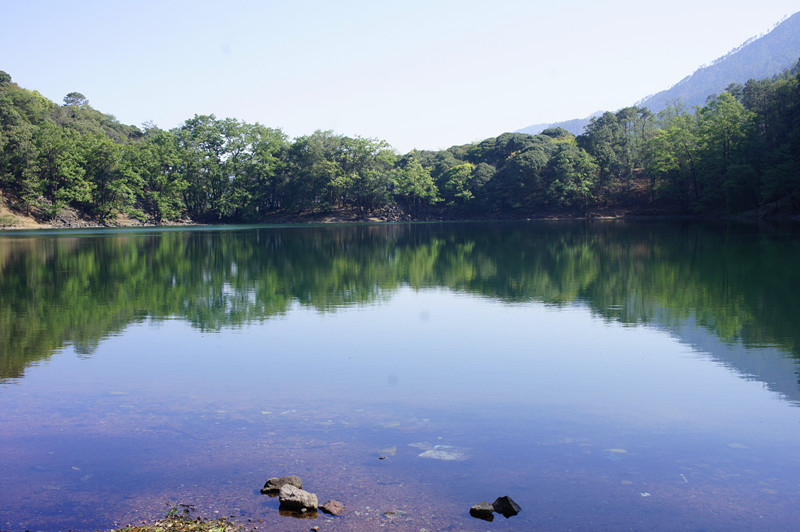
pixel 604 375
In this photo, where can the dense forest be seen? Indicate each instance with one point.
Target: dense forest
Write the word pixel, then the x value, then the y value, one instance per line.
pixel 738 153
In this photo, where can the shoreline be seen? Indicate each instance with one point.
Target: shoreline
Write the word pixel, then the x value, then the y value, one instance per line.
pixel 183 524
pixel 70 219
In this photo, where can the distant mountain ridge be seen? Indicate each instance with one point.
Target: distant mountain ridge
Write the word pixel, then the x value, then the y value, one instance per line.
pixel 757 58
pixel 574 126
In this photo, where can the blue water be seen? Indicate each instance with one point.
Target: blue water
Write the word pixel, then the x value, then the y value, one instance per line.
pixel 589 421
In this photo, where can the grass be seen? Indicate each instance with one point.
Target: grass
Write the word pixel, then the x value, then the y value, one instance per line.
pixel 7 220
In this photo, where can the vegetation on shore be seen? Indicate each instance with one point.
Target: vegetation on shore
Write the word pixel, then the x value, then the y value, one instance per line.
pixel 181 524
pixel 740 152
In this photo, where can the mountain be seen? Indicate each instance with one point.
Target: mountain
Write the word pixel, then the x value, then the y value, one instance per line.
pixel 574 126
pixel 758 58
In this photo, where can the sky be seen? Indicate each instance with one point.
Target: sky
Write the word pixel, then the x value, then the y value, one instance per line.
pixel 424 74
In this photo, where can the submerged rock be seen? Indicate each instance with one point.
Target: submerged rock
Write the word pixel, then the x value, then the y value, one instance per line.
pixel 332 507
pixel 293 498
pixel 440 452
pixel 483 510
pixel 396 516
pixel 506 506
pixel 274 485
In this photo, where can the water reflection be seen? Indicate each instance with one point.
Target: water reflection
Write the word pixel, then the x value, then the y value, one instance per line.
pixel 739 283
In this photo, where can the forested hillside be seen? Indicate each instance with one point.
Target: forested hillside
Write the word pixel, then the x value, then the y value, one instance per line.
pixel 739 152
pixel 757 58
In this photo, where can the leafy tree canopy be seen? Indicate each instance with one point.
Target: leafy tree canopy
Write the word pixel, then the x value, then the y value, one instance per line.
pixel 77 99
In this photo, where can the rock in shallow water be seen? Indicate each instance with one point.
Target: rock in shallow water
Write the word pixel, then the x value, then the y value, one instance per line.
pixel 274 484
pixel 332 507
pixel 506 506
pixel 483 510
pixel 293 498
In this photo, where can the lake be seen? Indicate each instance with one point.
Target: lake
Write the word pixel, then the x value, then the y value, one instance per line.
pixel 604 375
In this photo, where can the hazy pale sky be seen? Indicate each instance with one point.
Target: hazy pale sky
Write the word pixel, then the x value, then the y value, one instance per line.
pixel 419 74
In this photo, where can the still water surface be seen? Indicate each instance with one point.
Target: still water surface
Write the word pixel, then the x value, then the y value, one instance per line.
pixel 605 376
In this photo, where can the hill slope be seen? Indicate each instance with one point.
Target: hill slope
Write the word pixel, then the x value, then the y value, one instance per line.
pixel 574 126
pixel 758 58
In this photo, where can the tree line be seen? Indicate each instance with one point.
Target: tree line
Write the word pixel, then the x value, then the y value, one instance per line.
pixel 738 152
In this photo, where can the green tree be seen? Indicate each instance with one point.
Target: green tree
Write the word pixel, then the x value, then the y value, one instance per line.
pixel 571 173
pixel 413 185
pixel 671 157
pixel 260 177
pixel 518 182
pixel 77 99
pixel 116 182
pixel 724 126
pixel 365 167
pixel 780 157
pixel 497 150
pixel 312 167
pixel 201 146
pixel 457 185
pixel 616 141
pixel 159 164
pixel 59 168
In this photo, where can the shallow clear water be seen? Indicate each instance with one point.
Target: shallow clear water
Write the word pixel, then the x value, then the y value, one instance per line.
pixel 605 376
